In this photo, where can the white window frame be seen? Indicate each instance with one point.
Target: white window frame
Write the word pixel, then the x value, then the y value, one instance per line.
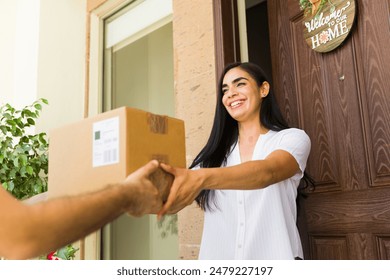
pixel 97 44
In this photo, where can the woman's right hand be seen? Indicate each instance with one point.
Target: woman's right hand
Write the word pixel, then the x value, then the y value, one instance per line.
pixel 187 185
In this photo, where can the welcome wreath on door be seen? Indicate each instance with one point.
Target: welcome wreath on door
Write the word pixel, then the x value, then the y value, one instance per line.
pixel 327 23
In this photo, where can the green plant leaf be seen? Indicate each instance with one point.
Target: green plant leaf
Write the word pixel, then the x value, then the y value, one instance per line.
pixel 7 116
pixel 28 113
pixel 11 122
pixel 67 252
pixel 31 121
pixel 20 123
pixel 10 186
pixel 4 129
pixel 23 159
pixel 29 170
pixel 42 138
pixel 16 162
pixel 22 171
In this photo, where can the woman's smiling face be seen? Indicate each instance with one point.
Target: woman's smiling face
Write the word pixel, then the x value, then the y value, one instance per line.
pixel 241 95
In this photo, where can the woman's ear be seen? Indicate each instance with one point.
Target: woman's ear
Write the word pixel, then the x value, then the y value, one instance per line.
pixel 264 89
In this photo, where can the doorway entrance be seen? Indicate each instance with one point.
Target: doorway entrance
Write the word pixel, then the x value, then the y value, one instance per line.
pixel 340 99
pixel 258 35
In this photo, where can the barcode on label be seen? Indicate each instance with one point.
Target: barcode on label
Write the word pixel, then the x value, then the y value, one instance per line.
pixel 110 156
pixel 105 142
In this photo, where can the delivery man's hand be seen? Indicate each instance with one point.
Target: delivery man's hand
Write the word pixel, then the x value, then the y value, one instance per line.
pixel 142 194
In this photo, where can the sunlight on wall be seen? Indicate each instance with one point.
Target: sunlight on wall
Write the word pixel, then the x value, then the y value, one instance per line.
pixel 20 29
pixel 42 55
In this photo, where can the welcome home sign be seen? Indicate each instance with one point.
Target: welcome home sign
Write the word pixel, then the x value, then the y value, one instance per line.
pixel 327 23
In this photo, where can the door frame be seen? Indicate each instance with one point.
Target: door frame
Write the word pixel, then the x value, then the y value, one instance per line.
pixel 97 12
pixel 95 96
pixel 226 34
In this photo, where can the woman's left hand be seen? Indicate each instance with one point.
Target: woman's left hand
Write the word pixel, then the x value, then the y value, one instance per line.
pixel 185 188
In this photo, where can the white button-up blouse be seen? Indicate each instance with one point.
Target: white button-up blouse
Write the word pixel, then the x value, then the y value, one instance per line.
pixel 258 224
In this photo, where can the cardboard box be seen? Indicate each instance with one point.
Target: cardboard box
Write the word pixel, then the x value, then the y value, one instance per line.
pixel 104 149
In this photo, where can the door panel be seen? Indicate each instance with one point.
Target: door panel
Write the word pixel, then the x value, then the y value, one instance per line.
pixel 373 38
pixel 327 90
pixel 342 104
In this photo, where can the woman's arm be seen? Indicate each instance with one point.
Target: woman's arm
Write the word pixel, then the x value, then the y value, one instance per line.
pixel 30 230
pixel 278 166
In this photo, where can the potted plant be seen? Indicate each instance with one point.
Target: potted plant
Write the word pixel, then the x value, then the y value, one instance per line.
pixel 23 156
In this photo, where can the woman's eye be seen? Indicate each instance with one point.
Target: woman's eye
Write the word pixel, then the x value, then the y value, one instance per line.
pixel 224 90
pixel 240 84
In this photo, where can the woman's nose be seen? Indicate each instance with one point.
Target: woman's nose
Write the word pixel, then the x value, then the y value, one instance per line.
pixel 231 93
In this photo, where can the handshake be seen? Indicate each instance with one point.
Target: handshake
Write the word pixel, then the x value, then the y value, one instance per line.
pixel 157 188
pixel 147 189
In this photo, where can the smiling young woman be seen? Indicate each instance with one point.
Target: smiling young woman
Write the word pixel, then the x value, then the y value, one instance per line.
pixel 246 177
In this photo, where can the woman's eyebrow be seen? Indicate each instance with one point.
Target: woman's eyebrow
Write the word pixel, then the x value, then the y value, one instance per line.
pixel 235 81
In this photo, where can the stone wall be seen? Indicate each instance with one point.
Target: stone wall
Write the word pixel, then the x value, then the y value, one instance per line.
pixel 193 41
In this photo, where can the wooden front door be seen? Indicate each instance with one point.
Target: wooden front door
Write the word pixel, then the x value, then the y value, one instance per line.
pixel 342 100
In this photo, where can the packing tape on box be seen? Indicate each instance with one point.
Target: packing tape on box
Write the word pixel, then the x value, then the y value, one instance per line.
pixel 158 124
pixel 161 158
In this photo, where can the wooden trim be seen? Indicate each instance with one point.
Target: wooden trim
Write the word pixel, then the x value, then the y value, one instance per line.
pixel 226 32
pixel 93 4
pixel 87 57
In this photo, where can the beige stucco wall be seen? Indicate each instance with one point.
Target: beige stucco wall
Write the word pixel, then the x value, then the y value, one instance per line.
pixel 44 57
pixel 61 61
pixel 194 73
pixel 18 51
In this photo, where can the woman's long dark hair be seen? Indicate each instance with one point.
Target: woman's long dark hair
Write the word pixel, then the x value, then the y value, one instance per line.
pixel 224 133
